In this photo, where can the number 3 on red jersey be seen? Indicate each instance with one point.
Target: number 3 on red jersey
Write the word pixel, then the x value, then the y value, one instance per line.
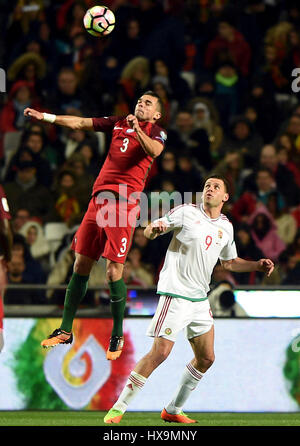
pixel 124 147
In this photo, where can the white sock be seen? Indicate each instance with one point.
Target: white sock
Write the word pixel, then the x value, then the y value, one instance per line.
pixel 132 387
pixel 188 383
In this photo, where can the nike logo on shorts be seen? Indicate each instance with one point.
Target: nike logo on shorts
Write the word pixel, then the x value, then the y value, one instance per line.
pixel 120 255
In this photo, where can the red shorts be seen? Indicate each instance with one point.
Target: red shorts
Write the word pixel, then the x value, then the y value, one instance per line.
pixel 106 230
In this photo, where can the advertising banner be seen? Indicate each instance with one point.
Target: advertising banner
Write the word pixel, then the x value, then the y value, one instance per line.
pixel 257 367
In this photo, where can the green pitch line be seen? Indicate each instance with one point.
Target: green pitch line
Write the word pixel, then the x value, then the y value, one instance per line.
pixel 85 418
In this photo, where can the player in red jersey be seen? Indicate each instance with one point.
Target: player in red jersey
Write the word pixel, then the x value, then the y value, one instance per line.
pixel 6 239
pixel 136 141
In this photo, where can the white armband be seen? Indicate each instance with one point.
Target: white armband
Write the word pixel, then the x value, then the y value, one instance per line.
pixel 48 117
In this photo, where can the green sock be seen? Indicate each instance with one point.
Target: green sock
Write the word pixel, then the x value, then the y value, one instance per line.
pixel 118 295
pixel 75 292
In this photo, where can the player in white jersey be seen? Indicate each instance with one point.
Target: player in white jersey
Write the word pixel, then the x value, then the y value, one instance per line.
pixel 201 236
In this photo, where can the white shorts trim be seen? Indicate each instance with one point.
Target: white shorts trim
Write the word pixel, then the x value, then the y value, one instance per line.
pixel 174 314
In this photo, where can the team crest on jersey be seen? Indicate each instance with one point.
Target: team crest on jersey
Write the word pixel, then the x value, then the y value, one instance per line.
pixel 163 135
pixel 168 331
pixel 220 233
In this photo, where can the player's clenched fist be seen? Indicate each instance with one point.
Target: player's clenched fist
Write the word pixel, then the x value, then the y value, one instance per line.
pixel 33 113
pixel 154 229
pixel 266 266
pixel 133 122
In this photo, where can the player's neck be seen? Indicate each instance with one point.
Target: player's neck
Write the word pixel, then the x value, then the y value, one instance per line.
pixel 212 212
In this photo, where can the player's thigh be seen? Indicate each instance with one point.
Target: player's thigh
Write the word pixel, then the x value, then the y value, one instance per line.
pixel 118 243
pixel 90 238
pixel 171 316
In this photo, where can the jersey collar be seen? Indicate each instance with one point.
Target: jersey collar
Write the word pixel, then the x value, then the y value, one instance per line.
pixel 205 214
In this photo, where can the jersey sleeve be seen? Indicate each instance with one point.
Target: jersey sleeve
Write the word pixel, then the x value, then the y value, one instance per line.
pixel 229 251
pixel 174 218
pixel 158 134
pixel 105 124
pixel 4 208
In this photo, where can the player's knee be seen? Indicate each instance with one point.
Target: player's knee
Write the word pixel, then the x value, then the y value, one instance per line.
pixel 114 272
pixel 82 267
pixel 205 362
pixel 160 355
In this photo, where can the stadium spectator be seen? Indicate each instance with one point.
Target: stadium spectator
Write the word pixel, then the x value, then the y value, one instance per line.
pixel 167 168
pixel 248 250
pixel 285 222
pixel 264 233
pixel 33 272
pixel 132 42
pixel 37 242
pixel 226 92
pixel 130 277
pixel 84 180
pixel 232 168
pixel 265 185
pixel 291 275
pixel 26 189
pixel 15 276
pixel 20 96
pixel 141 271
pixel 67 206
pixel 230 44
pixel 261 98
pixel 184 136
pixel 21 217
pixel 189 177
pixel 170 104
pixel 242 137
pixel 89 151
pixel 206 117
pixel 285 181
pixel 66 97
pixel 134 79
pixel 29 67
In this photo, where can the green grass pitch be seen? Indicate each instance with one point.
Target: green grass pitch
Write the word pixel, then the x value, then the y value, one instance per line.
pixel 93 418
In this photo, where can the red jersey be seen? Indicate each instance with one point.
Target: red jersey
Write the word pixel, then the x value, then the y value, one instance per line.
pixel 126 161
pixel 4 209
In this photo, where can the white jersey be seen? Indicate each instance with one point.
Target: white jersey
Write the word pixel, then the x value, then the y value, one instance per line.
pixel 197 244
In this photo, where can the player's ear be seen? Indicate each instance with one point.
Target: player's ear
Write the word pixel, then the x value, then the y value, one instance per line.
pixel 157 116
pixel 226 198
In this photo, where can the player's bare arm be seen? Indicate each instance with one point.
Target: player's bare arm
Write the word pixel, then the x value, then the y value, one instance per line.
pixel 239 265
pixel 72 122
pixel 151 147
pixel 153 230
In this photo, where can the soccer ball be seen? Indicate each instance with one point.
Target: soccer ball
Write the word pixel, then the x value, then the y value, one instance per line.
pixel 99 21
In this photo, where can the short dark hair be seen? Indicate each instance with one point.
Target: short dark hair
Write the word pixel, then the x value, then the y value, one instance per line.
pixel 219 177
pixel 159 101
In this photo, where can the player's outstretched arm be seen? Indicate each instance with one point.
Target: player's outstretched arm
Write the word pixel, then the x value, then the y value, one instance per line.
pixel 239 265
pixel 73 122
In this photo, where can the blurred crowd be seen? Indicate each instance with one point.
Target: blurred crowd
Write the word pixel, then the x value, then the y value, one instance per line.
pixel 223 70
